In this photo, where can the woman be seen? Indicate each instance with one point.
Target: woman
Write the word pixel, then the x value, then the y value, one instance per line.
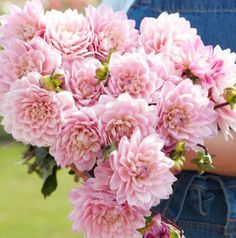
pixel 204 206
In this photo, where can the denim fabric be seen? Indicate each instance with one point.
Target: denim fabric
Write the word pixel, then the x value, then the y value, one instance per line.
pixel 215 20
pixel 204 206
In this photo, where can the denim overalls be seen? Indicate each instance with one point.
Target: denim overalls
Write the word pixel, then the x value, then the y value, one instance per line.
pixel 204 206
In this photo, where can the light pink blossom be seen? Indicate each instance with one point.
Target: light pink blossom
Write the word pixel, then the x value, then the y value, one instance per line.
pixel 185 113
pixel 23 24
pixel 198 62
pixel 120 116
pixel 111 31
pixel 165 34
pixel 141 173
pixel 226 117
pixel 68 32
pixel 20 59
pixel 98 215
pixel 132 73
pixel 80 141
pixel 82 82
pixel 32 114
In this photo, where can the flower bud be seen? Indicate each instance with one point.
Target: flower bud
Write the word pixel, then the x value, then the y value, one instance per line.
pixel 203 161
pixel 230 96
pixel 52 83
pixel 102 72
pixel 177 155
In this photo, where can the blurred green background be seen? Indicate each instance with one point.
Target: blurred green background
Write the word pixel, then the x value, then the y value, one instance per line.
pixel 24 213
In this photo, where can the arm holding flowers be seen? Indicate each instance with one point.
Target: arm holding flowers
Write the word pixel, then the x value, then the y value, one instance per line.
pixel 224 153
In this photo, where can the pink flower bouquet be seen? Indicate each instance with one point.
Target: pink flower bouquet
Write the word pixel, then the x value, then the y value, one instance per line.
pixel 116 106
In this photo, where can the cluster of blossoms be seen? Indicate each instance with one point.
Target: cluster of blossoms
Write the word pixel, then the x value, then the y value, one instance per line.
pixel 113 101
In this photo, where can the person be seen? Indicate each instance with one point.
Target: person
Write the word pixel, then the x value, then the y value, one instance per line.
pixel 203 206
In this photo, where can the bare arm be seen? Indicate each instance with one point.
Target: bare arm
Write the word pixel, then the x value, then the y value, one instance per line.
pixel 225 155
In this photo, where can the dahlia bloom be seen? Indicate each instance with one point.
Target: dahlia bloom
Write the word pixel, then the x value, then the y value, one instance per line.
pixel 20 59
pixel 80 141
pixel 82 82
pixel 226 116
pixel 198 61
pixel 32 114
pixel 185 113
pixel 111 31
pixel 157 229
pixel 68 32
pixel 131 73
pixel 141 173
pixel 120 116
pixel 165 34
pixel 98 215
pixel 23 24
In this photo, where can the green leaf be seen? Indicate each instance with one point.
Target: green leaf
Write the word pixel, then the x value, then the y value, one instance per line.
pixel 108 150
pixel 41 152
pixel 50 184
pixel 41 162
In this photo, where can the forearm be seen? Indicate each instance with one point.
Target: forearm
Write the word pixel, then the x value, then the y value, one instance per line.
pixel 225 155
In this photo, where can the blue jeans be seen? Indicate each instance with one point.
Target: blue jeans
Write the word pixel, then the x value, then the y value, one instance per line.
pixel 204 206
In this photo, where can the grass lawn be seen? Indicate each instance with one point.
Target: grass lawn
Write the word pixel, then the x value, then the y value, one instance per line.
pixel 24 213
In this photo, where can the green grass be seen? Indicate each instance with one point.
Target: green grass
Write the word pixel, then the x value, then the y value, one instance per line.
pixel 24 213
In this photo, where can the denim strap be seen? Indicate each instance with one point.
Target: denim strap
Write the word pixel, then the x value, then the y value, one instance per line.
pixel 185 181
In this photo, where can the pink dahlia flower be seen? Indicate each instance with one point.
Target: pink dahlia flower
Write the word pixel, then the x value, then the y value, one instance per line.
pixel 226 117
pixel 131 73
pixel 20 59
pixel 198 61
pixel 141 173
pixel 157 229
pixel 165 34
pixel 33 115
pixel 122 115
pixel 111 31
pixel 98 215
pixel 185 113
pixel 82 82
pixel 23 24
pixel 80 141
pixel 68 32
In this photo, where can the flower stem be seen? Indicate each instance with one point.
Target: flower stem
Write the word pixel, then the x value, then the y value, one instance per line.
pixel 221 105
pixel 204 148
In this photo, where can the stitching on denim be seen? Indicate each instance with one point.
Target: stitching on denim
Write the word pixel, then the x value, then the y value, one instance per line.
pixel 231 186
pixel 156 9
pixel 202 188
pixel 201 223
pixel 207 227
